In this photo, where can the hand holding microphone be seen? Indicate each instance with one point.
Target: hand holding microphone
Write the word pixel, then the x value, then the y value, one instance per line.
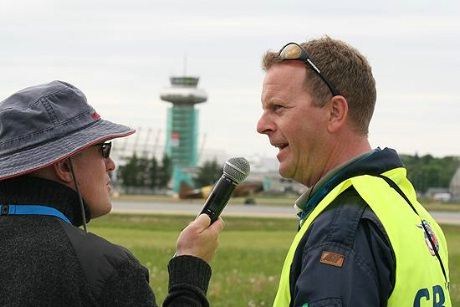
pixel 200 237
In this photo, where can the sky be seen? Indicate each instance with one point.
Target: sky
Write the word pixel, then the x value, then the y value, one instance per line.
pixel 122 53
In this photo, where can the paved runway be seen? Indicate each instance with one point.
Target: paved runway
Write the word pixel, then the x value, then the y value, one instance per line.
pixel 193 207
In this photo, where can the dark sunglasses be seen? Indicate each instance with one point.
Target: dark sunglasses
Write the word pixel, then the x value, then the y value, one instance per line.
pixel 105 149
pixel 293 51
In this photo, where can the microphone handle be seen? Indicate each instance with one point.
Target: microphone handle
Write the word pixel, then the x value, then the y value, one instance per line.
pixel 218 198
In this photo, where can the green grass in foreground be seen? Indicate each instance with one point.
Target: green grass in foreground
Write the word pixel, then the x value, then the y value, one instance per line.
pixel 249 259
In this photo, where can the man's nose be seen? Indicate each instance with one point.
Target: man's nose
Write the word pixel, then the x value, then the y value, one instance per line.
pixel 264 125
pixel 109 164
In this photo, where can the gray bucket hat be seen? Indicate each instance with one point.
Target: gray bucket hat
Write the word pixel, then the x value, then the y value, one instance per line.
pixel 43 124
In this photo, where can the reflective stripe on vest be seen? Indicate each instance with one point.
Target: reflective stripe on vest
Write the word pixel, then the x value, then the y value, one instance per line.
pixel 419 280
pixel 32 210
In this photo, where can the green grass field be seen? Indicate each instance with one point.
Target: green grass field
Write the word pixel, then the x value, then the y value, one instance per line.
pixel 248 262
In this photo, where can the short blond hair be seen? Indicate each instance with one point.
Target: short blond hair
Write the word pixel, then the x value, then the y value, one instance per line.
pixel 346 68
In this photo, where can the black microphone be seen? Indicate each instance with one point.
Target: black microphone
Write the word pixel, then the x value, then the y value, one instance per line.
pixel 235 171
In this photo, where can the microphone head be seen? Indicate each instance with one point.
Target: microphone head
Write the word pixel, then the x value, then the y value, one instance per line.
pixel 237 169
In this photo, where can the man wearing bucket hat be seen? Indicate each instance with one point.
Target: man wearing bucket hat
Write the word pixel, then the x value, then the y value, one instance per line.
pixel 54 164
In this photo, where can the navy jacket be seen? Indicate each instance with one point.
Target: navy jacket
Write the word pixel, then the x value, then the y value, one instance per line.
pixel 348 227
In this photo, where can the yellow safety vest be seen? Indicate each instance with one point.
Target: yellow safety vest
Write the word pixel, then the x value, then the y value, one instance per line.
pixel 419 280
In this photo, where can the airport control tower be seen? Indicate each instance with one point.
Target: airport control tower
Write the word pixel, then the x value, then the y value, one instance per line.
pixel 182 126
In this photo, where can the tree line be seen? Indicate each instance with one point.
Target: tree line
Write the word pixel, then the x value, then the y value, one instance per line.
pixel 149 173
pixel 141 172
pixel 423 171
pixel 429 172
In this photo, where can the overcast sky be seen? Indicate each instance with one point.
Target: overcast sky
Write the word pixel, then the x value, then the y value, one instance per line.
pixel 121 54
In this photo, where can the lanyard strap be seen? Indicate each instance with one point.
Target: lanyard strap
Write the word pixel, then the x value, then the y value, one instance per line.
pixel 32 210
pixel 392 184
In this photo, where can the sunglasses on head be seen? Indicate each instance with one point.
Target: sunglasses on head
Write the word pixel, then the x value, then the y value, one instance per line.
pixel 105 149
pixel 293 51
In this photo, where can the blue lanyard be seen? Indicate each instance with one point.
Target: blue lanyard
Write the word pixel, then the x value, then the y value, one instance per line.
pixel 32 210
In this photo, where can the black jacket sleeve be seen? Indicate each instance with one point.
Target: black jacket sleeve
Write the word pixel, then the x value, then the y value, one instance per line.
pixel 129 284
pixel 114 277
pixel 345 258
pixel 188 282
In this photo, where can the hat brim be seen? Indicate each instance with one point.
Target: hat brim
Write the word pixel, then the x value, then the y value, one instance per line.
pixel 37 157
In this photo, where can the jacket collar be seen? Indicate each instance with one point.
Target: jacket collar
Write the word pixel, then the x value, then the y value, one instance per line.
pixel 29 190
pixel 376 162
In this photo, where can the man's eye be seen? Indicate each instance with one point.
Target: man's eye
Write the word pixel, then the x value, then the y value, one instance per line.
pixel 277 107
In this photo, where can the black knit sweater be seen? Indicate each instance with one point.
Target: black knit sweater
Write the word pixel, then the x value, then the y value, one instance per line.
pixel 45 261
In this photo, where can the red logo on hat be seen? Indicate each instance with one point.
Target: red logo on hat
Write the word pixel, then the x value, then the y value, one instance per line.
pixel 95 116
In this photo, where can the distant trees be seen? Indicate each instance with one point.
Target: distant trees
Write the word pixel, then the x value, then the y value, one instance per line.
pixel 150 174
pixel 208 174
pixel 146 173
pixel 165 172
pixel 423 171
pixel 153 173
pixel 427 171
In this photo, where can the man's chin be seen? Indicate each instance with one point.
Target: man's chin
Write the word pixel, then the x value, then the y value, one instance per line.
pixel 109 209
pixel 284 171
pixel 103 211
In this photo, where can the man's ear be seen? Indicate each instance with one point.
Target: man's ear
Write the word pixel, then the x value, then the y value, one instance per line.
pixel 63 171
pixel 338 113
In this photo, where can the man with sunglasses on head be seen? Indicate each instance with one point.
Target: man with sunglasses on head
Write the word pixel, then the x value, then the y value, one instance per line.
pixel 54 177
pixel 363 238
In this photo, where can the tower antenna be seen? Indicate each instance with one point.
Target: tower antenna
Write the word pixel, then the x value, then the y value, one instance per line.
pixel 184 69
